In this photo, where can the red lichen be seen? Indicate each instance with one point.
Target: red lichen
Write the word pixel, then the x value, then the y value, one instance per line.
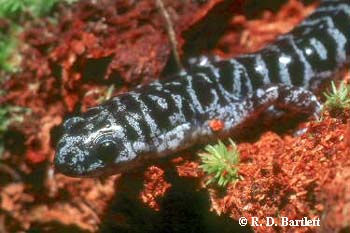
pixel 216 125
pixel 155 186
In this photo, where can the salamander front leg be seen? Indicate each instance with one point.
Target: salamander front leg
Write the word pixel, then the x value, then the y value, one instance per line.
pixel 284 97
pixel 274 100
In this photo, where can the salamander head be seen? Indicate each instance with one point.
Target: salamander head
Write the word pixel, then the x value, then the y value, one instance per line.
pixel 93 144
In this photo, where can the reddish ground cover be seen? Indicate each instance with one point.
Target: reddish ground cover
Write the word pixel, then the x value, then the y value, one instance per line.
pixel 114 45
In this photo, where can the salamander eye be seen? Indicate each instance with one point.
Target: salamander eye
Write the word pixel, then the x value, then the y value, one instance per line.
pixel 106 151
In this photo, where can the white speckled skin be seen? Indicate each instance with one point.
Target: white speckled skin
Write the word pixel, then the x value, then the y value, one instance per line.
pixel 167 116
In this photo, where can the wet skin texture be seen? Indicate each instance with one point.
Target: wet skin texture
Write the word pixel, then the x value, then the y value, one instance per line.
pixel 167 116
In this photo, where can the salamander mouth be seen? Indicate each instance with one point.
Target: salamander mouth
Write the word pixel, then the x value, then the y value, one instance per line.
pixel 66 170
pixel 74 171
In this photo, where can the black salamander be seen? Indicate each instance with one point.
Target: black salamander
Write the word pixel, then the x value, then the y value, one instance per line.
pixel 167 116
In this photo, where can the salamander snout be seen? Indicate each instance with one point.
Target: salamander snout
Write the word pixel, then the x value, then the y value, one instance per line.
pixel 70 156
pixel 62 166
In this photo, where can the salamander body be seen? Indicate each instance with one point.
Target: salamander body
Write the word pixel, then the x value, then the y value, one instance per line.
pixel 167 116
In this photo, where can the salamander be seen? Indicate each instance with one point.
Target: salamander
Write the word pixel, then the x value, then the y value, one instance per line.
pixel 170 115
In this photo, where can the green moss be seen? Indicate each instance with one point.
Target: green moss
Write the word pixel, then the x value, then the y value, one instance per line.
pixel 8 44
pixel 12 9
pixel 15 12
pixel 338 98
pixel 221 163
